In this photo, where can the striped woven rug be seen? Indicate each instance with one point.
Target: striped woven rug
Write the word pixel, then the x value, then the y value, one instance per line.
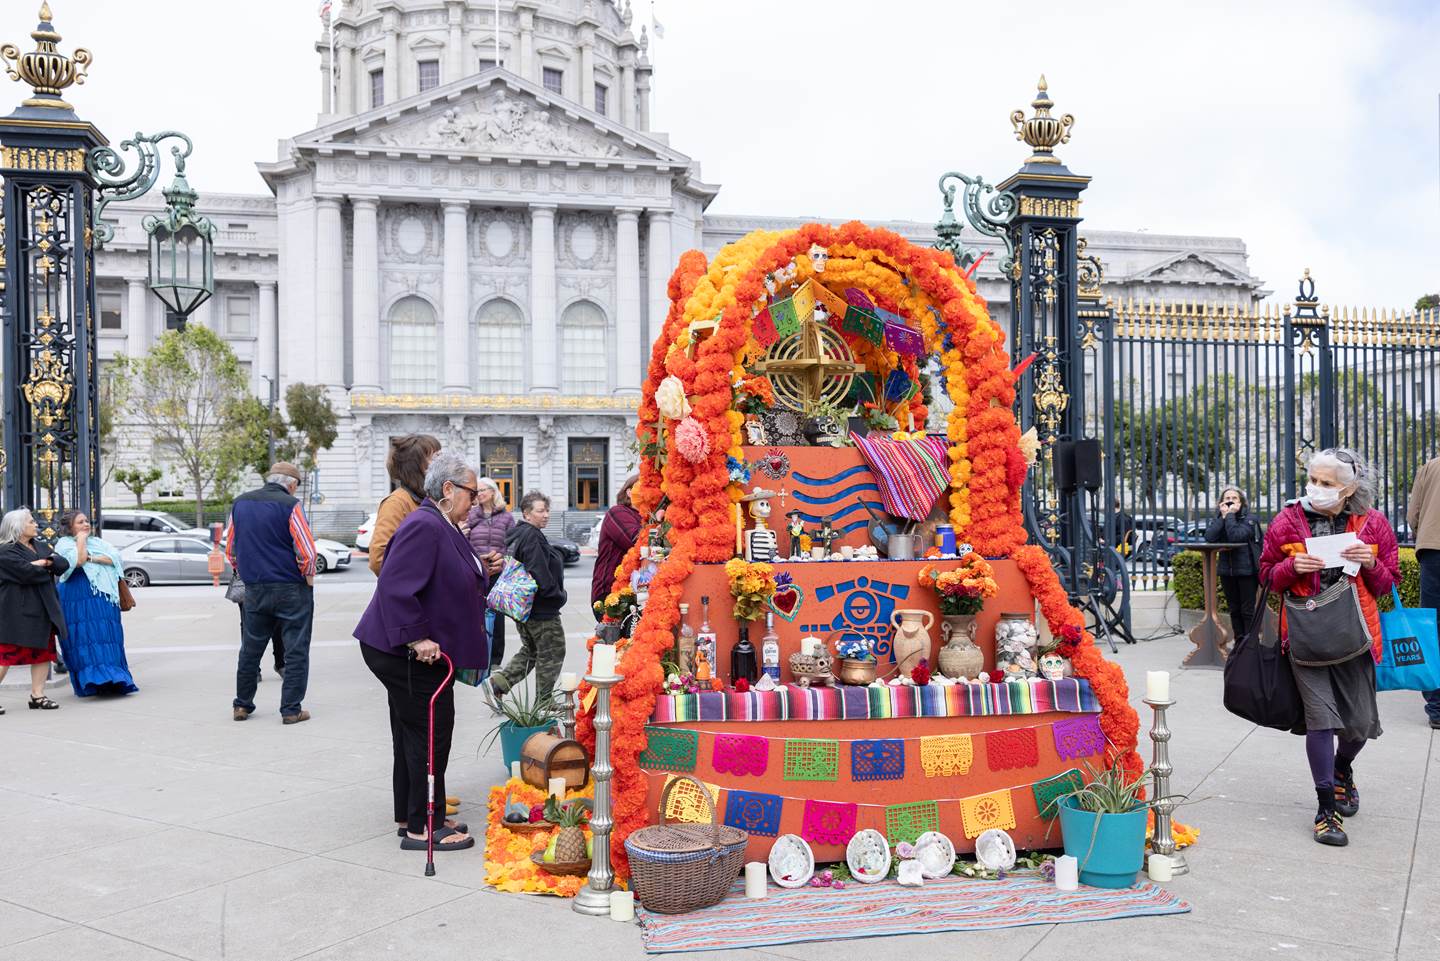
pixel 886 909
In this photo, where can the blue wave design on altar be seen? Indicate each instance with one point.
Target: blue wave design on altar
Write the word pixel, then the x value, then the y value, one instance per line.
pixel 825 481
pixel 837 496
pixel 852 526
pixel 859 505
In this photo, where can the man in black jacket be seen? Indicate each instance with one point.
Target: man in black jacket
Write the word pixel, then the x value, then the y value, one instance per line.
pixel 542 637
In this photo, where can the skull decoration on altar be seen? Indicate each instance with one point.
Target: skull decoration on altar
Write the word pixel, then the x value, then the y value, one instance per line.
pixel 819 256
pixel 761 543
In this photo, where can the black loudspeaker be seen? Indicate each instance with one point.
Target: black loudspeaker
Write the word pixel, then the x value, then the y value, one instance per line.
pixel 1087 465
pixel 1065 466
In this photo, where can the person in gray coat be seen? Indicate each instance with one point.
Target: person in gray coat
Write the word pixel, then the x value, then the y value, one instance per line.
pixel 487 525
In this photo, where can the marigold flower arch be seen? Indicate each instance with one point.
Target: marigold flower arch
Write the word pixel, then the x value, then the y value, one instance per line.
pixel 920 283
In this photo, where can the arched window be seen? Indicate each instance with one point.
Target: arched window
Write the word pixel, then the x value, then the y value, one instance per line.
pixel 584 361
pixel 412 343
pixel 499 348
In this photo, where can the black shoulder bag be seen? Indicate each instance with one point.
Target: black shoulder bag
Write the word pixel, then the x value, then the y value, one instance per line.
pixel 1259 685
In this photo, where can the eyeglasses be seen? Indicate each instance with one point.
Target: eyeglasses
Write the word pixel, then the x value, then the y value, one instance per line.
pixel 472 491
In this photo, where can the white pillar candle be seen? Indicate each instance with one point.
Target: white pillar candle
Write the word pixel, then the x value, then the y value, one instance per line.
pixel 515 770
pixel 557 788
pixel 1161 868
pixel 1157 685
pixel 817 553
pixel 622 905
pixel 569 682
pixel 602 661
pixel 847 552
pixel 1067 873
pixel 755 880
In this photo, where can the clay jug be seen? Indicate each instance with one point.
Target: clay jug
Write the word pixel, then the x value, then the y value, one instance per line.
pixel 912 638
pixel 960 658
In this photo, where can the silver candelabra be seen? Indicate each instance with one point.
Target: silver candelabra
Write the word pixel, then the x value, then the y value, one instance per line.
pixel 567 715
pixel 594 898
pixel 1163 840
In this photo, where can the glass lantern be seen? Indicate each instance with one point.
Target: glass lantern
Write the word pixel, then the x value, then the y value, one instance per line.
pixel 182 252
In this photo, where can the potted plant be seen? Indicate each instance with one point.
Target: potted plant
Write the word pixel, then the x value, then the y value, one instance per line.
pixel 524 714
pixel 857 659
pixel 1103 826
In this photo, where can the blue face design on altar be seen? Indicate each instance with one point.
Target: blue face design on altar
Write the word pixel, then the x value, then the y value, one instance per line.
pixel 865 609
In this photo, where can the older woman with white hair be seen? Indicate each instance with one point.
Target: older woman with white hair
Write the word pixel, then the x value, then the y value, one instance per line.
pixel 1339 697
pixel 32 616
pixel 429 600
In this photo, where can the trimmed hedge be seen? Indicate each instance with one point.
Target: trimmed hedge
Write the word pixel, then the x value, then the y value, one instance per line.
pixel 1188 582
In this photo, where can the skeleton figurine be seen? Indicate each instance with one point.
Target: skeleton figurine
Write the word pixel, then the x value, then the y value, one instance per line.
pixel 796 529
pixel 818 256
pixel 761 543
pixel 827 535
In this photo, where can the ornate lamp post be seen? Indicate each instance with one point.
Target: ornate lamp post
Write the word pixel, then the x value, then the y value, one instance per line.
pixel 52 163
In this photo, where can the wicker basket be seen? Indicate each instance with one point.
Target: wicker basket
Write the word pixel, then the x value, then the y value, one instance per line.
pixel 567 868
pixel 678 868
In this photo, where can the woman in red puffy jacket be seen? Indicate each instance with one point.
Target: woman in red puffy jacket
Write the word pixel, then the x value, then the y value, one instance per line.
pixel 1339 699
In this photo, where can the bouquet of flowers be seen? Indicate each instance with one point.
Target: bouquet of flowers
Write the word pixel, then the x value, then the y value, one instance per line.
pixel 964 588
pixel 616 605
pixel 751 584
pixel 853 647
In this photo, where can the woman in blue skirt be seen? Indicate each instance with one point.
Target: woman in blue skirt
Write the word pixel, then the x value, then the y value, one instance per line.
pixel 90 598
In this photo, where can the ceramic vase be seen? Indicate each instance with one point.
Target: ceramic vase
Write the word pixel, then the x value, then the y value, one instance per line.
pixel 960 658
pixel 911 642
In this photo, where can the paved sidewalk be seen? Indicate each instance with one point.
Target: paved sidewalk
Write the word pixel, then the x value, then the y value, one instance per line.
pixel 155 827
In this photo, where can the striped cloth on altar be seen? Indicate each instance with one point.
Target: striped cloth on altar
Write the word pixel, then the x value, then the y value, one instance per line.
pixel 794 703
pixel 911 473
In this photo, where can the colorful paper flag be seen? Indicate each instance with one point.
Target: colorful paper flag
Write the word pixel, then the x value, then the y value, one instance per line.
pixel 1049 791
pixel 985 811
pixel 947 755
pixel 898 386
pixel 740 754
pixel 753 812
pixel 856 297
pixel 828 822
pixel 763 328
pixel 1011 750
pixel 687 804
pixel 900 336
pixel 785 317
pixel 862 322
pixel 906 822
pixel 811 760
pixel 1078 737
pixel 832 302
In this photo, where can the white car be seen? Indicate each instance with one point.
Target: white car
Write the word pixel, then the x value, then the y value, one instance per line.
pixel 362 535
pixel 330 555
pixel 123 527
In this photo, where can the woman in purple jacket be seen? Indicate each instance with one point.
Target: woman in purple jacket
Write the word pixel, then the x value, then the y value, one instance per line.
pixel 430 598
pixel 487 525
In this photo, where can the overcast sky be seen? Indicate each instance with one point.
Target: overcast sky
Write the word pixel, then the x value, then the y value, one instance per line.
pixel 1308 128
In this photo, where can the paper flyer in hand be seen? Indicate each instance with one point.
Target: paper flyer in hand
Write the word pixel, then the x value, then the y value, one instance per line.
pixel 1329 549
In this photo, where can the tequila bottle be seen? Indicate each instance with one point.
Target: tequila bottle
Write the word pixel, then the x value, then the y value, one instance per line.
pixel 770 648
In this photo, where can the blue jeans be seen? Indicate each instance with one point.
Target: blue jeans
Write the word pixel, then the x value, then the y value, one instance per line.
pixel 1430 597
pixel 290 608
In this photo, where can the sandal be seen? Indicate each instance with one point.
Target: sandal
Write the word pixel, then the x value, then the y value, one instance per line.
pixel 418 844
pixel 43 703
pixel 459 826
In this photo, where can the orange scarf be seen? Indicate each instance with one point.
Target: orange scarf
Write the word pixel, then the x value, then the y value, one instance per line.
pixel 1368 608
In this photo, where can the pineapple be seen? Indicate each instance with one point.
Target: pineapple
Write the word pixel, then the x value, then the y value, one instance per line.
pixel 569 843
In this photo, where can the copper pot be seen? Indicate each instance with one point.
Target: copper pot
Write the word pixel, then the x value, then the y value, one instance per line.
pixel 856 672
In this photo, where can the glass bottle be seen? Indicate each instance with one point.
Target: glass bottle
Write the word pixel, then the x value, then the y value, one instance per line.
pixel 770 648
pixel 705 640
pixel 742 658
pixel 685 643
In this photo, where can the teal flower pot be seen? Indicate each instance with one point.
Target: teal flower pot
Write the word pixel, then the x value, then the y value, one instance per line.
pixel 512 740
pixel 1110 848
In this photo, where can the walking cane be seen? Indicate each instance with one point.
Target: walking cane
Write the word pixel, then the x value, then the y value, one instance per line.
pixel 430 773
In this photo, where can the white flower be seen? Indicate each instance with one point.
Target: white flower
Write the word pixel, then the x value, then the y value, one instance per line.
pixel 670 398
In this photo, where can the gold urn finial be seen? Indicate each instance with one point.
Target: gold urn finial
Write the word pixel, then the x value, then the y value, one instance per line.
pixel 46 69
pixel 1042 132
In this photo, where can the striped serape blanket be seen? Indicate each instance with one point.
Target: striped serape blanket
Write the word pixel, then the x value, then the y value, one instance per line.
pixel 795 703
pixel 794 915
pixel 911 473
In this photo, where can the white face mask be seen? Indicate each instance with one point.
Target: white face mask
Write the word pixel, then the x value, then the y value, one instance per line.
pixel 1322 498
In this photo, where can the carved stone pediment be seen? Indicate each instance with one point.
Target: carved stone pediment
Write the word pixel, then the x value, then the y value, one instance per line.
pixel 1192 268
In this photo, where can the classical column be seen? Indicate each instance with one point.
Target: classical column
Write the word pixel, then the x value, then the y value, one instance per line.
pixel 137 318
pixel 587 67
pixel 329 296
pixel 526 67
pixel 326 106
pixel 659 261
pixel 455 47
pixel 544 348
pixel 392 56
pixel 267 340
pixel 455 300
pixel 365 294
pixel 627 258
pixel 642 106
pixel 627 94
pixel 346 82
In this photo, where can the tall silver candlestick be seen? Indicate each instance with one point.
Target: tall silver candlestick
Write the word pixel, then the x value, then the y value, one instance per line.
pixel 567 715
pixel 1163 840
pixel 594 898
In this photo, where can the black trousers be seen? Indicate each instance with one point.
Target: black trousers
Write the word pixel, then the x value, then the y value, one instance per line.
pixel 409 685
pixel 1240 597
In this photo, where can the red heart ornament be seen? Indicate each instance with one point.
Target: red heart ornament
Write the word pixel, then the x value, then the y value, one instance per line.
pixel 786 601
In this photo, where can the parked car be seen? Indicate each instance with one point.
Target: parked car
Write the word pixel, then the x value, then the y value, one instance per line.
pixel 1159 537
pixel 569 550
pixel 123 527
pixel 167 559
pixel 362 534
pixel 330 555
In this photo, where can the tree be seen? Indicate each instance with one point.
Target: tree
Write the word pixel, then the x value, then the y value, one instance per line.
pixel 248 441
pixel 312 424
pixel 114 395
pixel 1182 440
pixel 136 479
pixel 183 390
pixel 1428 302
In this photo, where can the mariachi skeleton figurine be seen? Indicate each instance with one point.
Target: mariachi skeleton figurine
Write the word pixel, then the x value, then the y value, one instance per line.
pixel 827 535
pixel 796 529
pixel 761 543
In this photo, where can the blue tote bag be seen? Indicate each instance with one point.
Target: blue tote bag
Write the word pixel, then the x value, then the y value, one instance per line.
pixel 1410 659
